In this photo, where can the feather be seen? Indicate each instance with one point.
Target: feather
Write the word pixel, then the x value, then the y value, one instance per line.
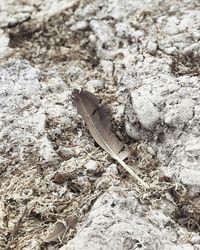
pixel 99 124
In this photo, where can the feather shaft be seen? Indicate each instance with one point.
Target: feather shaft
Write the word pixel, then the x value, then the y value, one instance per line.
pixel 131 172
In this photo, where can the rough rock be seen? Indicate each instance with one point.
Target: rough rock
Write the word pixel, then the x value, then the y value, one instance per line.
pixel 94 84
pixel 118 221
pixel 146 111
pixel 168 106
pixel 152 47
pixel 24 113
pixel 91 165
pixel 14 12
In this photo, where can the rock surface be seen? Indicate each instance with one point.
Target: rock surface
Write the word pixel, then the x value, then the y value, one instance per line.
pixel 140 57
pixel 119 222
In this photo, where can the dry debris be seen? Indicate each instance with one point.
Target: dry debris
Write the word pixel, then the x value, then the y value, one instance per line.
pixel 186 64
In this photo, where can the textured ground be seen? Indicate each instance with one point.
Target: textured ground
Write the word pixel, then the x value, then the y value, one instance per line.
pixel 143 59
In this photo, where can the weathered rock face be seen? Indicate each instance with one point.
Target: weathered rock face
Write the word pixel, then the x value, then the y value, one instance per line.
pixel 118 221
pixel 19 90
pixel 165 111
pixel 15 12
pixel 24 112
pixel 141 57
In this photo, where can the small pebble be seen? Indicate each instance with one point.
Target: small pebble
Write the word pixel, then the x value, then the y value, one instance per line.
pixel 107 66
pixel 119 111
pixel 170 51
pixel 91 165
pixel 66 153
pixel 81 25
pixel 152 47
pixel 195 239
pixel 196 35
pixel 94 84
pixel 56 86
pixel 112 169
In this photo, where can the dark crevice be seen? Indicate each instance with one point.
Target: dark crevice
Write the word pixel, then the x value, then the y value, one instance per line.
pixel 186 64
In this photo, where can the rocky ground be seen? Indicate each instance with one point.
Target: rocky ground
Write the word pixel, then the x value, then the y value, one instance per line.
pixel 58 189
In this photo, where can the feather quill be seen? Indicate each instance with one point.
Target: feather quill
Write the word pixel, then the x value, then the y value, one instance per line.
pixel 98 122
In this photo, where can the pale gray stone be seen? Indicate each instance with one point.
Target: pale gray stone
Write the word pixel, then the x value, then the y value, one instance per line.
pixel 116 222
pixel 94 84
pixel 151 47
pixel 91 165
pixel 145 110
